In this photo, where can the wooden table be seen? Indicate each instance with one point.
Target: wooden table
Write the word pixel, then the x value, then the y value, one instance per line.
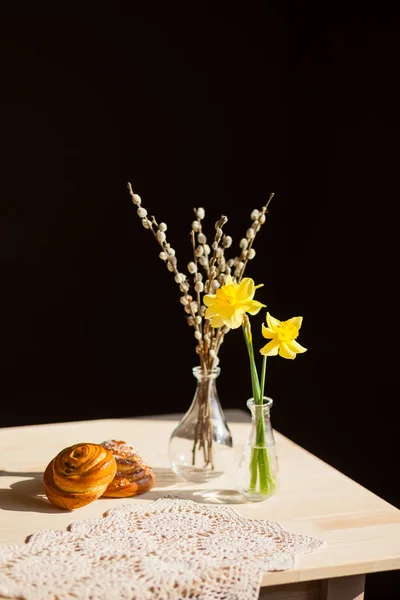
pixel 362 531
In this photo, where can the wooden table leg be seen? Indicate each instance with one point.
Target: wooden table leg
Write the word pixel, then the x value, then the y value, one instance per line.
pixel 304 590
pixel 343 588
pixel 336 588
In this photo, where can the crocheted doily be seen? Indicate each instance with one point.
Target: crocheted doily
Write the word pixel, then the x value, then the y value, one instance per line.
pixel 167 550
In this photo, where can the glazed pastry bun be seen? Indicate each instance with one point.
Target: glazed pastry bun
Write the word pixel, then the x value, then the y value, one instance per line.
pixel 133 475
pixel 78 475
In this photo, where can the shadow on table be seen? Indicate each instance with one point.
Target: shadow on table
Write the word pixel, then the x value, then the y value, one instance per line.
pixel 207 496
pixel 26 495
pixel 166 478
pixel 29 494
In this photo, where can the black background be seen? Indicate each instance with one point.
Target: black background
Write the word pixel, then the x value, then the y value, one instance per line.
pixel 200 108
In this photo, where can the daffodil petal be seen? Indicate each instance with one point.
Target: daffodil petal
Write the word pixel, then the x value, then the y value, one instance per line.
pixel 216 321
pixel 273 323
pixel 253 307
pixel 229 280
pixel 267 333
pixel 211 312
pixel 286 352
pixel 235 320
pixel 270 349
pixel 225 312
pixel 245 290
pixel 209 299
pixel 296 321
pixel 296 347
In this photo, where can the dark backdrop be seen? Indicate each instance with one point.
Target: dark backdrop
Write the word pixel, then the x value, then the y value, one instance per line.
pixel 197 108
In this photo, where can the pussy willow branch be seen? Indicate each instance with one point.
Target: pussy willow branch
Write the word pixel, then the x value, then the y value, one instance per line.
pixel 245 254
pixel 192 235
pixel 202 259
pixel 176 273
pixel 212 271
pixel 259 222
pixel 203 429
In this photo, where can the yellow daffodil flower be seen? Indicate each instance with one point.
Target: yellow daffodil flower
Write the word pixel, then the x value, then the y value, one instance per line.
pixel 283 336
pixel 231 301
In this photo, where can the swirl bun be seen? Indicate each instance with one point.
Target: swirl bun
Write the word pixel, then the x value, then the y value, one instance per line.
pixel 78 475
pixel 133 475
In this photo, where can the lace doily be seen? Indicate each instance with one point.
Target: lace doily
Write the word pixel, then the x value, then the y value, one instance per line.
pixel 168 550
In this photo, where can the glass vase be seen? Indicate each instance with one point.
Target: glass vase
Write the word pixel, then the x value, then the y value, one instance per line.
pixel 257 472
pixel 200 447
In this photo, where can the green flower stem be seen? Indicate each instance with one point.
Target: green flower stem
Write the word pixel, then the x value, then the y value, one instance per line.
pixel 254 375
pixel 263 371
pixel 253 469
pixel 256 390
pixel 261 457
pixel 267 476
pixel 260 466
pixel 267 480
pixel 257 467
pixel 260 460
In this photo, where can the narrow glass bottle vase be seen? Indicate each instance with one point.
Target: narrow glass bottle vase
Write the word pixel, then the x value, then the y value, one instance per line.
pixel 257 472
pixel 200 447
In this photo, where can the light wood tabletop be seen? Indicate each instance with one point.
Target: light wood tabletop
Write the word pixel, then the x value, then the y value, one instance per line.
pixel 361 530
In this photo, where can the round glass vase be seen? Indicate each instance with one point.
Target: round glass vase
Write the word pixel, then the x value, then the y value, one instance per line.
pixel 200 447
pixel 257 471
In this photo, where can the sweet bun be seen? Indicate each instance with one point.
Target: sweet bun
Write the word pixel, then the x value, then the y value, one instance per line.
pixel 78 475
pixel 133 475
